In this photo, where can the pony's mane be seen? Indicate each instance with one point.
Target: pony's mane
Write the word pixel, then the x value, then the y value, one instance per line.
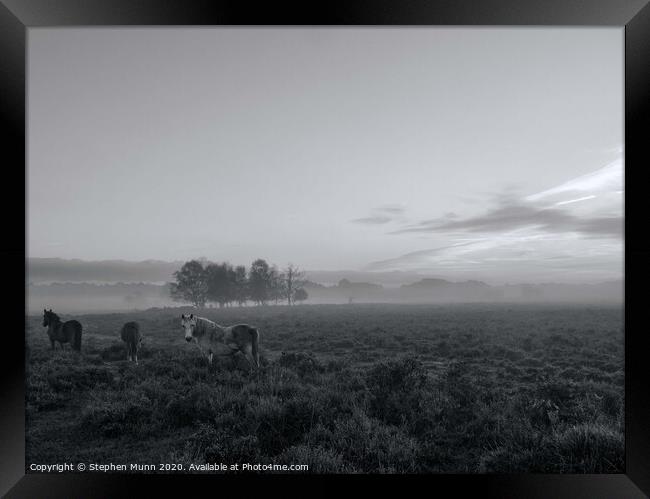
pixel 204 325
pixel 52 315
pixel 206 321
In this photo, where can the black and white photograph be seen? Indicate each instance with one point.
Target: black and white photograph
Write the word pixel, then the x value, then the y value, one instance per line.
pixel 332 250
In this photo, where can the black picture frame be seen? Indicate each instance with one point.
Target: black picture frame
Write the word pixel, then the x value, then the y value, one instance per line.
pixel 17 16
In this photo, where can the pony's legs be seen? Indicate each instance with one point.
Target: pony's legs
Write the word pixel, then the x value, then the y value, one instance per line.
pixel 52 341
pixel 210 355
pixel 253 361
pixel 248 355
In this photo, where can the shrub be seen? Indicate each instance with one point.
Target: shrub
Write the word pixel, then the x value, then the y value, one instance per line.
pixel 114 352
pixel 283 425
pixel 590 448
pixel 459 390
pixel 513 355
pixel 542 413
pixel 527 344
pixel 199 404
pixel 396 390
pixel 114 416
pixel 612 404
pixel 560 392
pixel 367 445
pixel 585 448
pixel 301 363
pixel 74 378
pixel 214 445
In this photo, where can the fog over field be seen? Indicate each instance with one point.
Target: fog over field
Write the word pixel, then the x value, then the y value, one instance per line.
pixel 75 286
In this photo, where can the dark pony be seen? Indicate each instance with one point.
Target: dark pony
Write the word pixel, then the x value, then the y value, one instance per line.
pixel 130 335
pixel 63 332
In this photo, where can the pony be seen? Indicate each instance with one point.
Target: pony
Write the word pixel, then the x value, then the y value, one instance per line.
pixel 211 338
pixel 130 335
pixel 63 332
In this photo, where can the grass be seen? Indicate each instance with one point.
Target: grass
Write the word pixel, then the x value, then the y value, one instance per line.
pixel 344 389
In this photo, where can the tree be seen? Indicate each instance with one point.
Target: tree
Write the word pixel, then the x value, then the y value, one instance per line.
pixel 259 281
pixel 191 284
pixel 220 285
pixel 276 285
pixel 300 295
pixel 294 279
pixel 240 285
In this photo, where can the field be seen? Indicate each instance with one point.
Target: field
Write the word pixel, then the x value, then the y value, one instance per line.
pixel 342 388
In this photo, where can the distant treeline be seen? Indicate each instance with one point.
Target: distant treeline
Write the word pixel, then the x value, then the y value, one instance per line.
pixel 201 282
pixel 221 284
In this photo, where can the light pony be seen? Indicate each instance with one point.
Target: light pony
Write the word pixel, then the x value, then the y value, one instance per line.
pixel 213 339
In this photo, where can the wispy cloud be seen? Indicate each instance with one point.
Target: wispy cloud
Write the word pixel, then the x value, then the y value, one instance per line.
pixel 383 215
pixel 606 179
pixel 520 252
pixel 516 215
pixel 510 211
pixel 575 225
pixel 414 257
pixel 395 209
pixel 373 220
pixel 571 201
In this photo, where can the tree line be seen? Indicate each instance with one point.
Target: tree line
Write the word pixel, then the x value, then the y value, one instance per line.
pixel 202 282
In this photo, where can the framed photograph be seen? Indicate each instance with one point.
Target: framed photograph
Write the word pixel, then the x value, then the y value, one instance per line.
pixel 379 239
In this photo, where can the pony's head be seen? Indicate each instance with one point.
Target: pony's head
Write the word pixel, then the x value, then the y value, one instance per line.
pixel 189 323
pixel 48 317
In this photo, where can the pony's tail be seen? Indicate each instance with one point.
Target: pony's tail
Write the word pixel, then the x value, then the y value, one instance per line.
pixel 255 346
pixel 77 340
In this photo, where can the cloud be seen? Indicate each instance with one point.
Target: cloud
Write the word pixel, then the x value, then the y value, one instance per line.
pixel 414 257
pixel 517 215
pixel 372 220
pixel 606 179
pixel 556 210
pixel 383 215
pixel 575 227
pixel 511 255
pixel 394 209
pixel 570 201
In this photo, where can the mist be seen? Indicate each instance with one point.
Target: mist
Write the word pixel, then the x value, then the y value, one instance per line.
pixel 74 286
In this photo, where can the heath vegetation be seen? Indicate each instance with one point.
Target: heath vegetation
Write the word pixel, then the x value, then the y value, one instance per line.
pixel 342 388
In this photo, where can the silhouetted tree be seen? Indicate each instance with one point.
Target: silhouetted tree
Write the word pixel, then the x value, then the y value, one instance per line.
pixel 259 281
pixel 240 283
pixel 191 284
pixel 200 281
pixel 220 283
pixel 294 279
pixel 276 285
pixel 300 295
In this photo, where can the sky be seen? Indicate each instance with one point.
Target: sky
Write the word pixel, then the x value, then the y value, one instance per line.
pixel 466 153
